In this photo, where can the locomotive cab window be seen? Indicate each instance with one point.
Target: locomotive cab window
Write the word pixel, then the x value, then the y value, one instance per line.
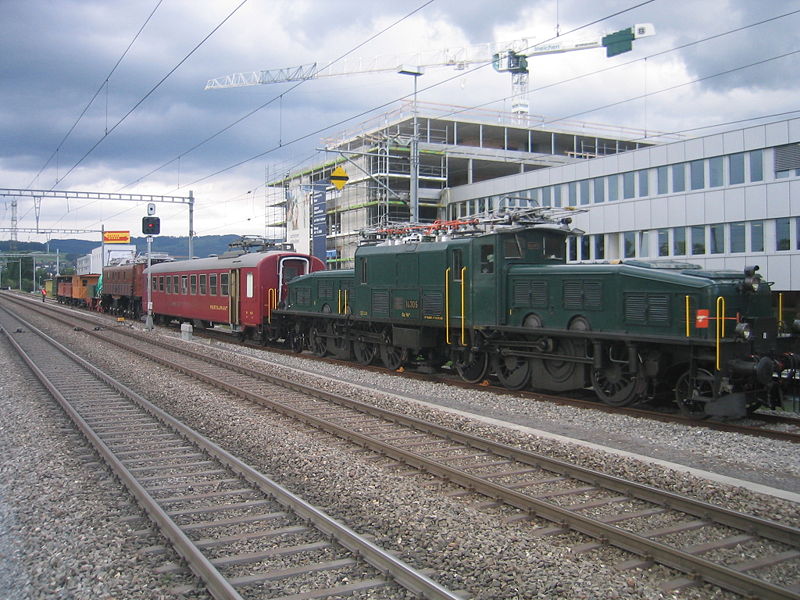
pixel 457 262
pixel 554 246
pixel 487 259
pixel 512 247
pixel 363 264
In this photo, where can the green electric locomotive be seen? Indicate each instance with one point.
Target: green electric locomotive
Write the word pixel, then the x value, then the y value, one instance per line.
pixel 498 298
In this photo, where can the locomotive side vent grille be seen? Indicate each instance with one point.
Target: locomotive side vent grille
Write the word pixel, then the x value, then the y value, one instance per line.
pixel 380 303
pixel 522 293
pixel 539 293
pixel 583 295
pixel 303 296
pixel 325 290
pixel 432 304
pixel 647 309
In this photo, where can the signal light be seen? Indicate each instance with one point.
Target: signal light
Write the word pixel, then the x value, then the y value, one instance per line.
pixel 151 225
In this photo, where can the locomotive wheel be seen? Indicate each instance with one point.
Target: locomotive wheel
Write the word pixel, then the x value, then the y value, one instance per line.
pixel 338 346
pixel 318 342
pixel 689 391
pixel 472 366
pixel 365 352
pixel 512 371
pixel 393 357
pixel 615 387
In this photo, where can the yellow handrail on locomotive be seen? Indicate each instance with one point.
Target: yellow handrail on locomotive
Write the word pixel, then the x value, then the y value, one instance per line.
pixel 447 306
pixel 781 324
pixel 463 306
pixel 688 316
pixel 272 303
pixel 341 302
pixel 720 326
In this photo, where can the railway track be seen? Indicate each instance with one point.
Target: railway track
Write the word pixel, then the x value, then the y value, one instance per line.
pixel 244 535
pixel 651 523
pixel 769 425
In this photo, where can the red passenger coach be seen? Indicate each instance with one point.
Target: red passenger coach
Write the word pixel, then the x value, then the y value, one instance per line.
pixel 238 288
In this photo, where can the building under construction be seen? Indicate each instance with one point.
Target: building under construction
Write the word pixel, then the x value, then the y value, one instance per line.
pixel 454 146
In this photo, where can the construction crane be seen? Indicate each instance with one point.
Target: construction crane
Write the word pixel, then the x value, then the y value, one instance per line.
pixel 506 57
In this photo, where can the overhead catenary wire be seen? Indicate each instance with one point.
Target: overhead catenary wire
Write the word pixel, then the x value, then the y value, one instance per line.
pixel 104 84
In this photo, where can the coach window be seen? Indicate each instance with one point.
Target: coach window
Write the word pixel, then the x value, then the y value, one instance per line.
pixel 223 284
pixel 184 284
pixel 153 284
pixel 161 284
pixel 203 278
pixel 176 286
pixel 193 284
pixel 168 289
pixel 249 285
pixel 212 282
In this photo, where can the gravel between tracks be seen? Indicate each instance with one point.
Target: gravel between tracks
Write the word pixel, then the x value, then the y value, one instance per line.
pixel 466 547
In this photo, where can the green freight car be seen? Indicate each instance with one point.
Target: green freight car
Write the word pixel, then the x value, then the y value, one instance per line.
pixel 498 299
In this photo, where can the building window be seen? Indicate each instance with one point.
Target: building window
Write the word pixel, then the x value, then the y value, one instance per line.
pixel 737 237
pixel 782 241
pixel 583 187
pixel 572 249
pixel 613 188
pixel 715 171
pixel 698 239
pixel 572 188
pixel 662 176
pixel 736 168
pixel 628 185
pixel 663 242
pixel 585 247
pixel 630 244
pixel 557 196
pixel 644 243
pixel 716 239
pixel 599 190
pixel 697 176
pixel 679 241
pixel 679 177
pixel 757 236
pixel 756 166
pixel 644 188
pixel 600 246
pixel 546 196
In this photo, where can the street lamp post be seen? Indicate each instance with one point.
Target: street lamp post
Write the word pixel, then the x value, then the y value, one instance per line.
pixel 415 72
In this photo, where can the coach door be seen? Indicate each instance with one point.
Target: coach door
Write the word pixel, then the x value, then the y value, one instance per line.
pixel 233 299
pixel 289 268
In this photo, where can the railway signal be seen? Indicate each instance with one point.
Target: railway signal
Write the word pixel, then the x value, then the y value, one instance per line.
pixel 151 225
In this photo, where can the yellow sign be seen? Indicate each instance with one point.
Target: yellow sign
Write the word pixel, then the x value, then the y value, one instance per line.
pixel 116 237
pixel 339 177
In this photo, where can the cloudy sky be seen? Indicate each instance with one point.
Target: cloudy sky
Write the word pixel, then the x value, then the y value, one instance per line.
pixel 109 96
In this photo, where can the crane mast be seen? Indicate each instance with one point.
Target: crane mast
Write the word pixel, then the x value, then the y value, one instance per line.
pixel 506 57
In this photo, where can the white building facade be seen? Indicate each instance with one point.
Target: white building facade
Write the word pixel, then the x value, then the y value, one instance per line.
pixel 722 201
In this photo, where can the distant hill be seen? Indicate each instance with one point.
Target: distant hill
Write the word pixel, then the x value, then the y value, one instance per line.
pixel 177 247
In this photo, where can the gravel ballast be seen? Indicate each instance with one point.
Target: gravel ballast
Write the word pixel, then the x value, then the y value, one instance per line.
pixel 466 546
